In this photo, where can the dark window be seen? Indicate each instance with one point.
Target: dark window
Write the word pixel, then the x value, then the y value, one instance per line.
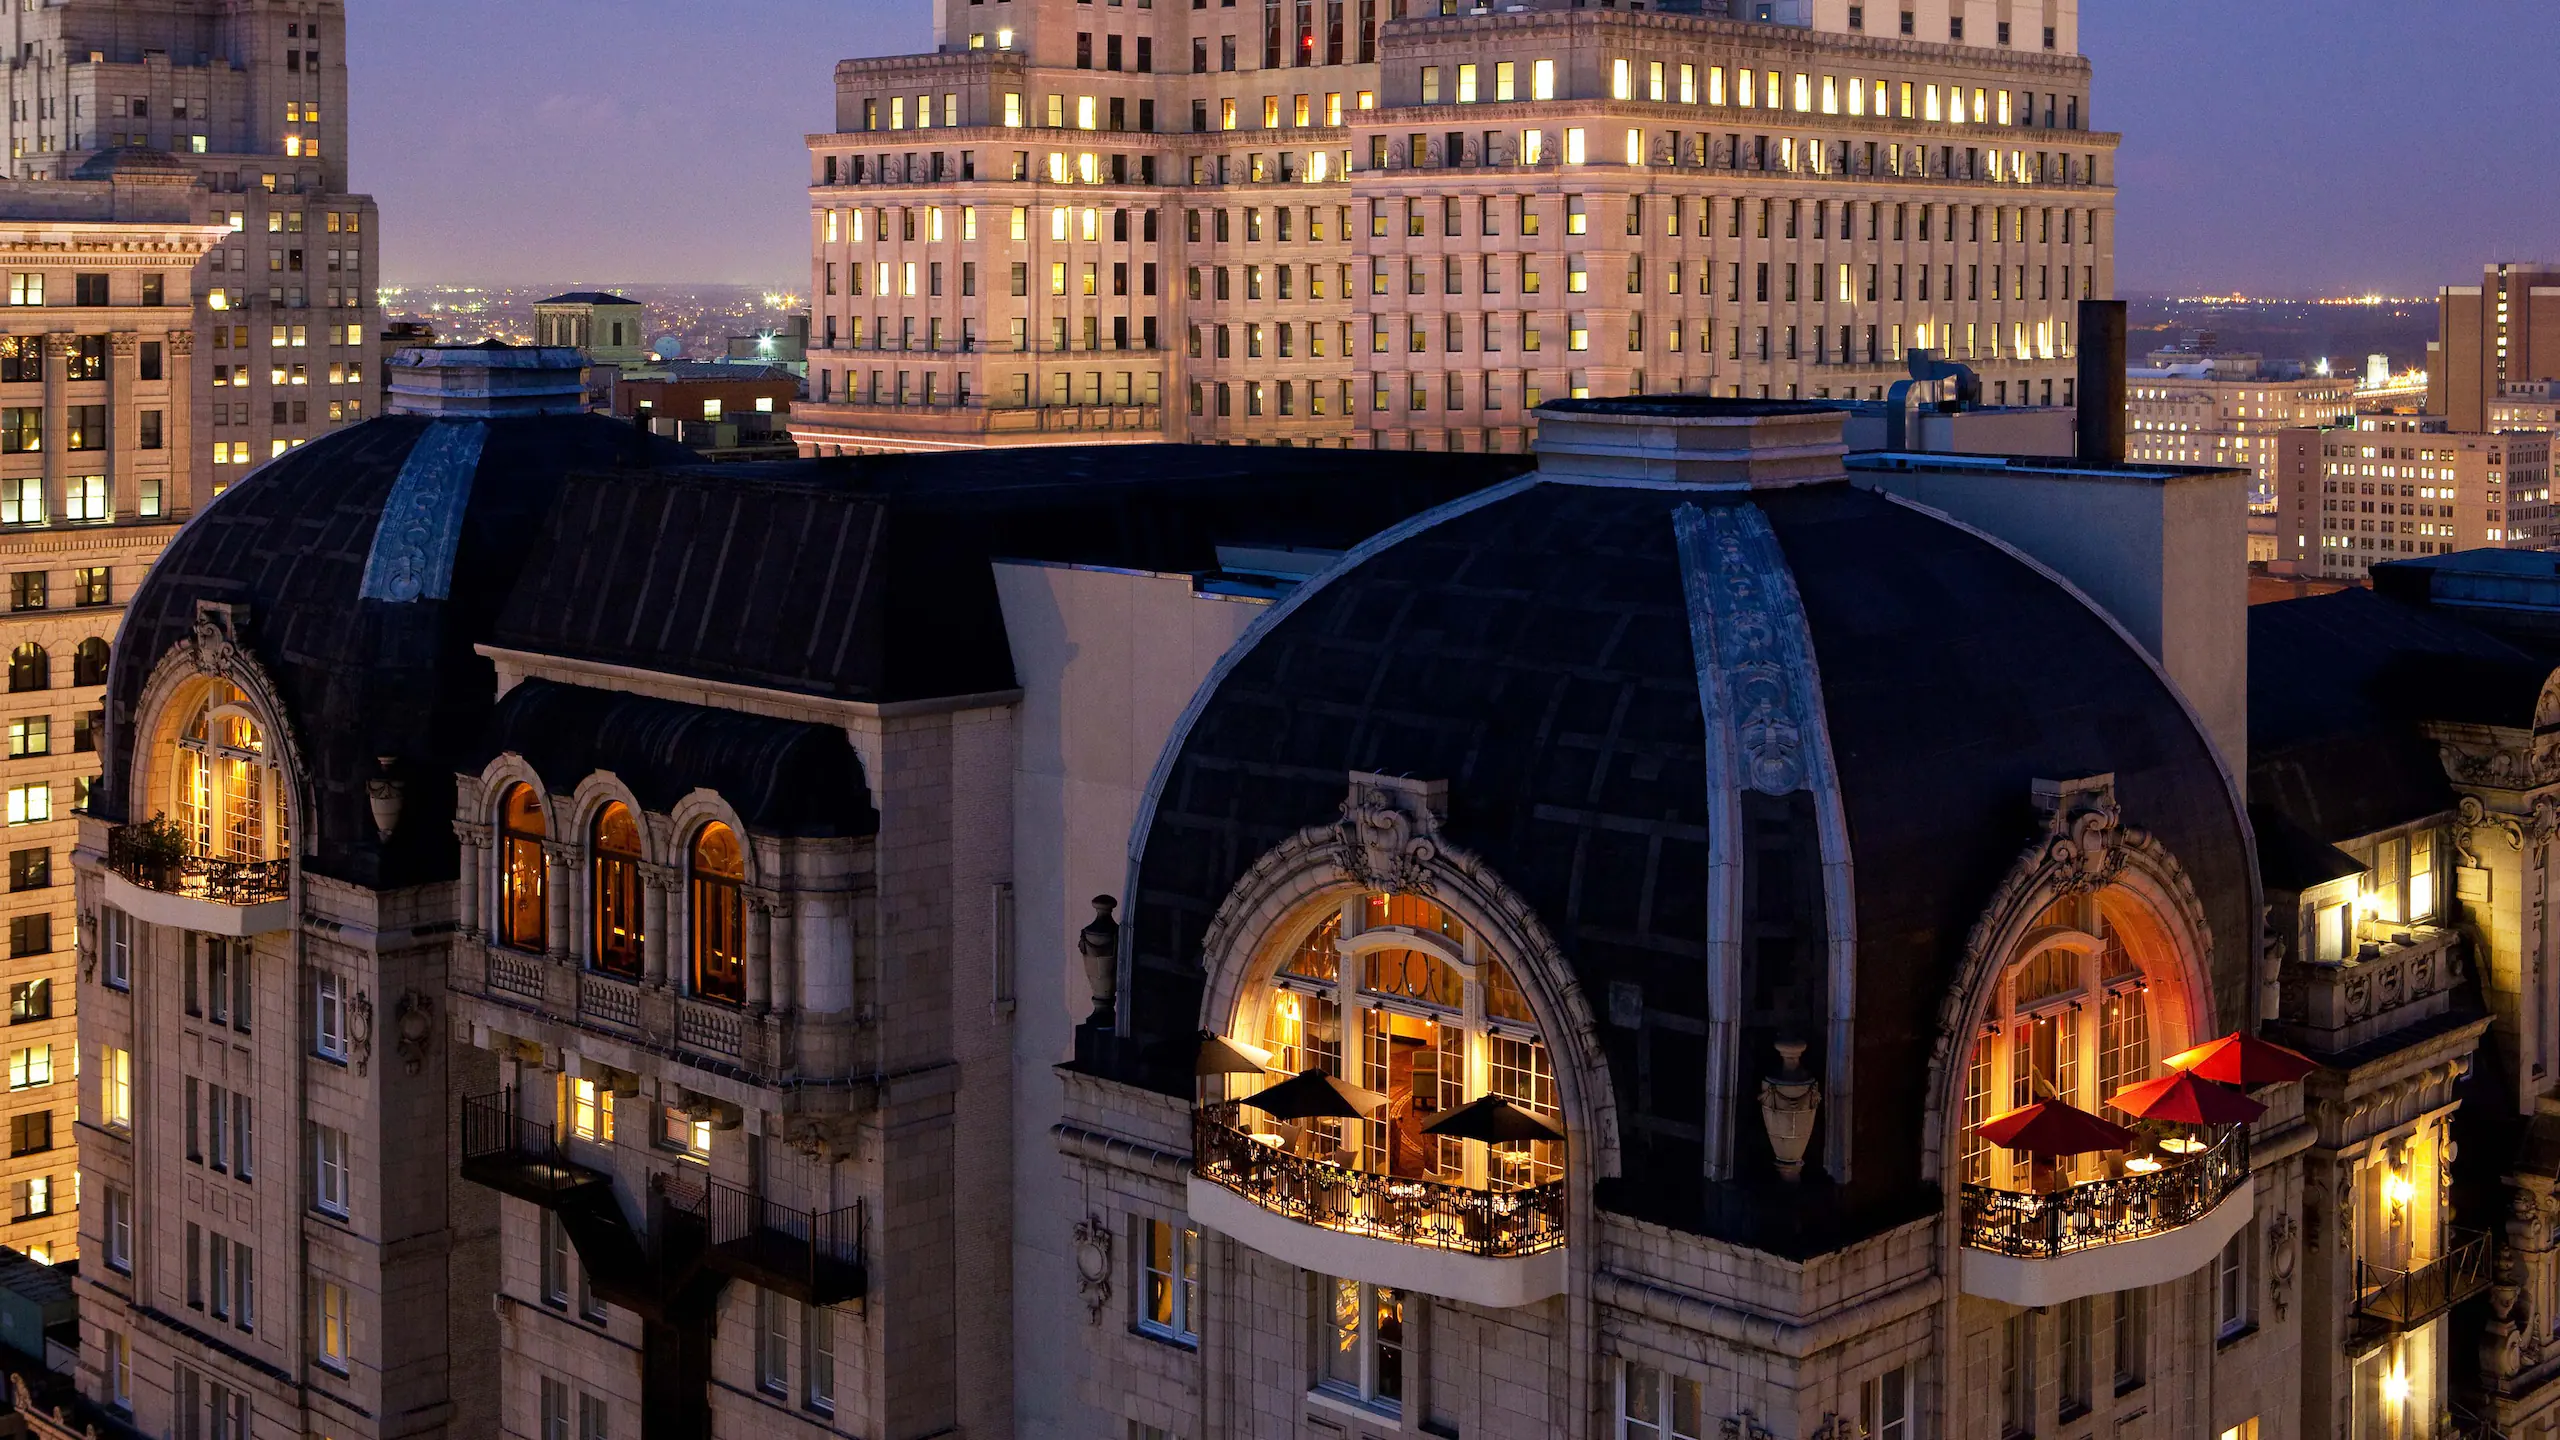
pixel 87 360
pixel 33 1131
pixel 29 669
pixel 30 869
pixel 1084 50
pixel 617 943
pixel 21 429
pixel 26 590
pixel 148 364
pixel 88 289
pixel 89 662
pixel 30 934
pixel 88 731
pixel 147 431
pixel 86 428
pixel 21 358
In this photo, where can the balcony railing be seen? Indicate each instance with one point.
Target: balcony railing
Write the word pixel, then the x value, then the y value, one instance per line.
pixel 1498 1223
pixel 2406 1299
pixel 2105 1212
pixel 508 1153
pixel 811 1256
pixel 197 877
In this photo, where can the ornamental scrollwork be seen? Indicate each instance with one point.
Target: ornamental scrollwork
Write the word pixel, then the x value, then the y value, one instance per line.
pixel 1388 836
pixel 1093 1265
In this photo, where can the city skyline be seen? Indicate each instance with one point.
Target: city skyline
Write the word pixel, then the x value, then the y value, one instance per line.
pixel 637 191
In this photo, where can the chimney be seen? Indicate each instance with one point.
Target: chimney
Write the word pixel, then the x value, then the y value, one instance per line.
pixel 2101 418
pixel 1693 440
pixel 488 381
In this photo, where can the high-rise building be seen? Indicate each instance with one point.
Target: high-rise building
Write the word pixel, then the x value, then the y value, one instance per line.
pixel 2213 408
pixel 251 95
pixel 96 347
pixel 2506 328
pixel 2388 487
pixel 1344 223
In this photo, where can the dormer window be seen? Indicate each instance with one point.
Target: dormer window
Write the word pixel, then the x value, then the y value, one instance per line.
pixel 522 903
pixel 719 915
pixel 230 800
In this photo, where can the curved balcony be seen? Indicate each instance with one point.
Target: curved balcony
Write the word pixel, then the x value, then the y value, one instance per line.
pixel 1499 1248
pixel 2114 1234
pixel 238 898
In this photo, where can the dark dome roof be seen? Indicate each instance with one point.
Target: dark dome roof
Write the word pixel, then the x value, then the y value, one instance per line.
pixel 132 160
pixel 367 625
pixel 783 777
pixel 1535 652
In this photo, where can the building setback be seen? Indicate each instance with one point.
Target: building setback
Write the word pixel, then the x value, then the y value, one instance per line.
pixel 96 354
pixel 251 97
pixel 1344 225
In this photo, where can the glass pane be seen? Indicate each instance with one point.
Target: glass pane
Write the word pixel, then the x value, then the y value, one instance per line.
pixel 1502 997
pixel 1390 1340
pixel 1316 958
pixel 1342 1357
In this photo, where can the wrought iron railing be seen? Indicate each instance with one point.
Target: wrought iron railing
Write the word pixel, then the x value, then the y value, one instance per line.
pixel 1364 1202
pixel 2105 1212
pixel 2405 1299
pixel 524 1156
pixel 197 877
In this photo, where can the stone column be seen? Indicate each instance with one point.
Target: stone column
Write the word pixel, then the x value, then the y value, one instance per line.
pixel 657 930
pixel 124 418
pixel 759 956
pixel 466 890
pixel 785 953
pixel 177 429
pixel 57 421
pixel 559 863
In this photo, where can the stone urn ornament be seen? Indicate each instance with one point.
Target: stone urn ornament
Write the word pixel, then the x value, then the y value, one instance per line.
pixel 1099 943
pixel 1789 1101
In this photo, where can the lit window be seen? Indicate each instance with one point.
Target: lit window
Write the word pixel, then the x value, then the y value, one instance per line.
pixel 522 887
pixel 719 915
pixel 1168 1294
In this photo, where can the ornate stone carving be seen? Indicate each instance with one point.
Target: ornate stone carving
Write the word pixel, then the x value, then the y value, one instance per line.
pixel 1093 1266
pixel 219 634
pixel 414 1024
pixel 1389 833
pixel 824 1138
pixel 1749 636
pixel 2280 1261
pixel 360 1031
pixel 2504 768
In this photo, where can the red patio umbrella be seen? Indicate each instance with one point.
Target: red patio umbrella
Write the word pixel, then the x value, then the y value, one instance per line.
pixel 2049 1127
pixel 2240 1058
pixel 2184 1097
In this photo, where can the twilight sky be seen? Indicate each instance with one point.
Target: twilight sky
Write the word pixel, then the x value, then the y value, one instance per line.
pixel 2291 147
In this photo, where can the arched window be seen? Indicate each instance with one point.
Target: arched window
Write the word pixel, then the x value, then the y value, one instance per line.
pixel 616 942
pixel 229 798
pixel 89 662
pixel 719 915
pixel 521 911
pixel 2072 1021
pixel 29 669
pixel 1428 1016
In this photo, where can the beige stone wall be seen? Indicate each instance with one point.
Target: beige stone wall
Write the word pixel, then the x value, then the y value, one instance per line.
pixel 1258 353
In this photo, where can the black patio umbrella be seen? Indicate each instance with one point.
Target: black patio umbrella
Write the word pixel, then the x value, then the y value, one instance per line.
pixel 1222 1056
pixel 1315 1095
pixel 1494 1120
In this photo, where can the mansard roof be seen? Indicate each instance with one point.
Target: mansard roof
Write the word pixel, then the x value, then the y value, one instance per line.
pixel 1536 652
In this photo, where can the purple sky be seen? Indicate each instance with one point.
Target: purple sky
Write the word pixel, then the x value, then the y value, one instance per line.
pixel 2274 147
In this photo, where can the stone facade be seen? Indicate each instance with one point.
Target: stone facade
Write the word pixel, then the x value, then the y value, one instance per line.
pixel 1391 230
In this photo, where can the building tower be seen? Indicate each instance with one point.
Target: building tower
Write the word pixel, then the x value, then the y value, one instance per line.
pixel 252 96
pixel 1355 222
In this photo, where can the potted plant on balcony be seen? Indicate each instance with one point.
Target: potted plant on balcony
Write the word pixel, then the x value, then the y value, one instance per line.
pixel 154 851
